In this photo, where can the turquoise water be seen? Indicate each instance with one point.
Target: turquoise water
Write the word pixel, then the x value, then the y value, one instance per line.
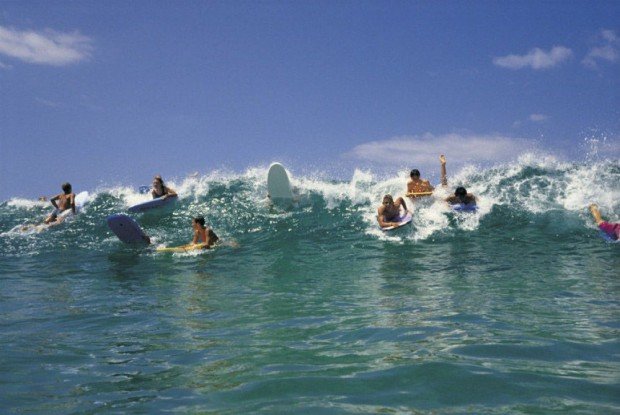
pixel 514 309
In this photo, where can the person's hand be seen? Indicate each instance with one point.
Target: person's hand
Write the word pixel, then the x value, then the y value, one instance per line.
pixel 442 159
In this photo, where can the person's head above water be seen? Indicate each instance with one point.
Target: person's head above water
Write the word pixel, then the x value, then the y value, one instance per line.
pixel 460 192
pixel 200 220
pixel 158 181
pixel 388 200
pixel 66 187
pixel 415 174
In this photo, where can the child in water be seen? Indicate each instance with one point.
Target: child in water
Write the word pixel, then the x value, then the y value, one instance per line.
pixel 62 202
pixel 611 229
pixel 202 234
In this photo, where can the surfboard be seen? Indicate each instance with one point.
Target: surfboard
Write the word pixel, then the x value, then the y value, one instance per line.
pixel 152 204
pixel 462 207
pixel 278 184
pixel 80 200
pixel 126 229
pixel 402 221
pixel 183 248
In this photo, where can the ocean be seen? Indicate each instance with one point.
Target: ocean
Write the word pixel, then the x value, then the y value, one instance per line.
pixel 513 309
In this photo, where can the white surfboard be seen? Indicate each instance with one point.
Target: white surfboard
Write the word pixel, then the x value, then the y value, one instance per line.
pixel 127 229
pixel 278 184
pixel 402 221
pixel 80 200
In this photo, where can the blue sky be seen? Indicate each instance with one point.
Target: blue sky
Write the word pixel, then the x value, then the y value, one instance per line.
pixel 104 93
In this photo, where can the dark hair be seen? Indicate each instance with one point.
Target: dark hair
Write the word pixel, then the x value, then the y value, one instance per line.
pixel 159 179
pixel 388 196
pixel 460 191
pixel 66 187
pixel 414 173
pixel 200 220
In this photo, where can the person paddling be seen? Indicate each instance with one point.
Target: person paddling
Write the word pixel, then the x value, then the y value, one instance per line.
pixel 61 202
pixel 202 233
pixel 611 229
pixel 161 190
pixel 460 196
pixel 389 211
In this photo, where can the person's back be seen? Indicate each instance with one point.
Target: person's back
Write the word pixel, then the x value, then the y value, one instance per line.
pixel 461 196
pixel 62 202
pixel 416 185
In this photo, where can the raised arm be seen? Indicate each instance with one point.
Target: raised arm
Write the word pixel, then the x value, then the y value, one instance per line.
pixel 444 177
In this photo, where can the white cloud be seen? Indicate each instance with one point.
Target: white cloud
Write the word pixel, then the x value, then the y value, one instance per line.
pixel 535 59
pixel 608 51
pixel 538 117
pixel 45 48
pixel 424 150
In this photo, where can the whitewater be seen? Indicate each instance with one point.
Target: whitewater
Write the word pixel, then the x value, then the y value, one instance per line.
pixel 314 309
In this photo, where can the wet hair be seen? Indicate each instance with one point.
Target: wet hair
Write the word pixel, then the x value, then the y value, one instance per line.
pixel 159 179
pixel 414 173
pixel 66 187
pixel 200 220
pixel 460 191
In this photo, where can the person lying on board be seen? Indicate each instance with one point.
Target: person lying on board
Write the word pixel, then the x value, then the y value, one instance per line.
pixel 417 187
pixel 389 211
pixel 202 234
pixel 611 229
pixel 61 202
pixel 159 189
pixel 460 196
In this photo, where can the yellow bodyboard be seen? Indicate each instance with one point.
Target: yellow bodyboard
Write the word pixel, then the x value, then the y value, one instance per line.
pixel 183 248
pixel 418 194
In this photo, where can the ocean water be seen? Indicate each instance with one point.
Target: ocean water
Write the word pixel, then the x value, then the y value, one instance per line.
pixel 511 310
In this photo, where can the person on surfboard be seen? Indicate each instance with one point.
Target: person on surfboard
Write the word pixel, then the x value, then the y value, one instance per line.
pixel 460 195
pixel 417 187
pixel 159 189
pixel 611 229
pixel 389 211
pixel 61 202
pixel 201 232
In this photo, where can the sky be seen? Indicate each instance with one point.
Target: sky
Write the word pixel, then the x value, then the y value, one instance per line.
pixel 103 93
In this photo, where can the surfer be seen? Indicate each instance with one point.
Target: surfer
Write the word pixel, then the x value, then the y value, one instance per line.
pixel 417 187
pixel 201 232
pixel 611 229
pixel 460 195
pixel 161 190
pixel 61 202
pixel 389 211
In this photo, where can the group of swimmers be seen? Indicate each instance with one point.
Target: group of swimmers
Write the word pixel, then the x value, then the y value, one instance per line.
pixel 389 212
pixel 66 200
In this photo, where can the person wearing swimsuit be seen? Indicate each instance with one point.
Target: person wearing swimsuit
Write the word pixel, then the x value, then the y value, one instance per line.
pixel 159 189
pixel 61 202
pixel 389 211
pixel 611 229
pixel 460 195
pixel 202 234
